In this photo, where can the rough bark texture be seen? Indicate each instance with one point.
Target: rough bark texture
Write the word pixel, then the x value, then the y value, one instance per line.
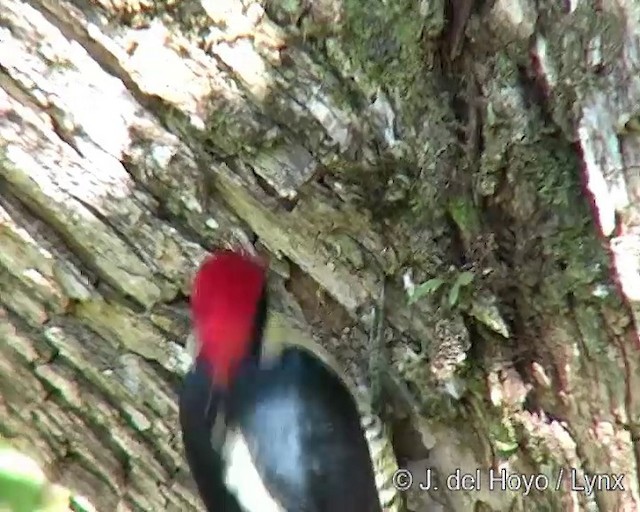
pixel 355 141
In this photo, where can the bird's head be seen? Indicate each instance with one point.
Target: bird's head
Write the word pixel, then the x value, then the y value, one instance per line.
pixel 228 308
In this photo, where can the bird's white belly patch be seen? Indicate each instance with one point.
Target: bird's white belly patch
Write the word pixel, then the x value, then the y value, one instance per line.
pixel 242 478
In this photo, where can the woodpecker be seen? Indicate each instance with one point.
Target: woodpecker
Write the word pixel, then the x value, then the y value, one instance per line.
pixel 276 435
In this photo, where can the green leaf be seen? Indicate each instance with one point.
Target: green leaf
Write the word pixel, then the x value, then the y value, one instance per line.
pixel 465 278
pixel 290 6
pixel 454 292
pixel 506 447
pixel 22 482
pixel 465 216
pixel 425 288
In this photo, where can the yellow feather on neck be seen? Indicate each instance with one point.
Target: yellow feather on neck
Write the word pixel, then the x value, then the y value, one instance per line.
pixel 281 332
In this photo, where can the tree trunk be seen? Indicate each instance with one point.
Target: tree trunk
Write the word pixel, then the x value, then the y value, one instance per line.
pixel 435 146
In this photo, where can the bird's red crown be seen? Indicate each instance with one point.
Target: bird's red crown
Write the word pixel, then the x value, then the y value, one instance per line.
pixel 224 304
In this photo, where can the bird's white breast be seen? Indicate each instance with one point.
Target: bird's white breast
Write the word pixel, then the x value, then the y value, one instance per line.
pixel 242 478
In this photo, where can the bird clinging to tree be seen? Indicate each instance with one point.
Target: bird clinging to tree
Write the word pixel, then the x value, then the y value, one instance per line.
pixel 278 436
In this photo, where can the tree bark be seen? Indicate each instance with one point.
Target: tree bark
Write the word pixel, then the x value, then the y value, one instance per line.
pixel 481 158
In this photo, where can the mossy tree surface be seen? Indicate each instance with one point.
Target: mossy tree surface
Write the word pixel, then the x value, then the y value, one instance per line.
pixel 482 156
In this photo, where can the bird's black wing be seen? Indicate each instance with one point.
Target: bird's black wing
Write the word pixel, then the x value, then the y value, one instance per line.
pixel 303 430
pixel 199 405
